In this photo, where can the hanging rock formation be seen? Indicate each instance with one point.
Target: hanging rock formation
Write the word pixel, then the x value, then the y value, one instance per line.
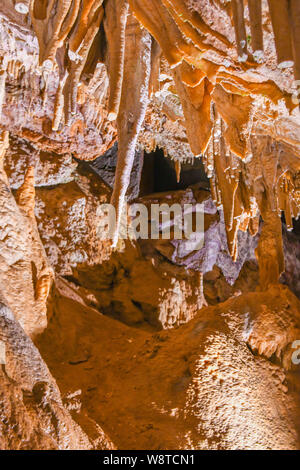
pixel 143 103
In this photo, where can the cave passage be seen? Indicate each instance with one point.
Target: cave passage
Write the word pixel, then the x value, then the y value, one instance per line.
pixel 159 175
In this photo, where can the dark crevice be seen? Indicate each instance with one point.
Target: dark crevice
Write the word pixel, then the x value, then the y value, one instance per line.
pixel 159 175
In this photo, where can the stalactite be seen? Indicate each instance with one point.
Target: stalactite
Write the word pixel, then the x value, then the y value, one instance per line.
pixel 210 69
pixel 285 190
pixel 16 69
pixel 279 12
pixel 254 225
pixel 268 89
pixel 255 12
pixel 236 111
pixel 155 67
pixel 240 29
pixel 150 14
pixel 52 21
pixel 199 291
pixel 3 74
pixel 43 285
pixel 88 11
pixel 191 76
pixel 269 160
pixel 134 101
pixel 21 7
pixel 4 143
pixel 186 46
pixel 116 12
pixel 45 76
pixel 58 105
pixel 296 195
pixel 25 196
pixel 215 96
pixel 214 192
pixel 178 170
pixel 195 20
pixel 190 32
pixel 75 67
pixel 269 251
pixel 210 159
pixel 10 67
pixel 295 23
pixel 228 187
pixel 196 103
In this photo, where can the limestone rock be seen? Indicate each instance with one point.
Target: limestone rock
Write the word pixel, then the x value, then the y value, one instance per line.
pixel 195 341
pixel 197 387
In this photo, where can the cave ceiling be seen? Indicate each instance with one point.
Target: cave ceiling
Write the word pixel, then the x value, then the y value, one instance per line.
pixel 210 79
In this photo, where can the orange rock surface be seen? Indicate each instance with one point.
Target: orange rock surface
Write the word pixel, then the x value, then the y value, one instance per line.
pixel 150 343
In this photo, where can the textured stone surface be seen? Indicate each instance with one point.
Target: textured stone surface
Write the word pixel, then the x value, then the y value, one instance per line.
pixel 68 219
pixel 32 414
pixel 50 169
pixel 22 262
pixel 213 85
pixel 197 387
pixel 105 167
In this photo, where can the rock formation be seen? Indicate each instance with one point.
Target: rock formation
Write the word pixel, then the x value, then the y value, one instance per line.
pixel 94 96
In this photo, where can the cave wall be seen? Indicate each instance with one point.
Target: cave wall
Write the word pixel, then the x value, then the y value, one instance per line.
pixel 149 344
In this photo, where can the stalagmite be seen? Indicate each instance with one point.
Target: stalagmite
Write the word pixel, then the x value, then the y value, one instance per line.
pixel 116 12
pixel 255 12
pixel 240 29
pixel 25 196
pixel 279 12
pixel 134 101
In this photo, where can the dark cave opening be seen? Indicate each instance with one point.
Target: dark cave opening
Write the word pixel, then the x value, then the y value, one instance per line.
pixel 152 172
pixel 159 175
pixel 296 225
